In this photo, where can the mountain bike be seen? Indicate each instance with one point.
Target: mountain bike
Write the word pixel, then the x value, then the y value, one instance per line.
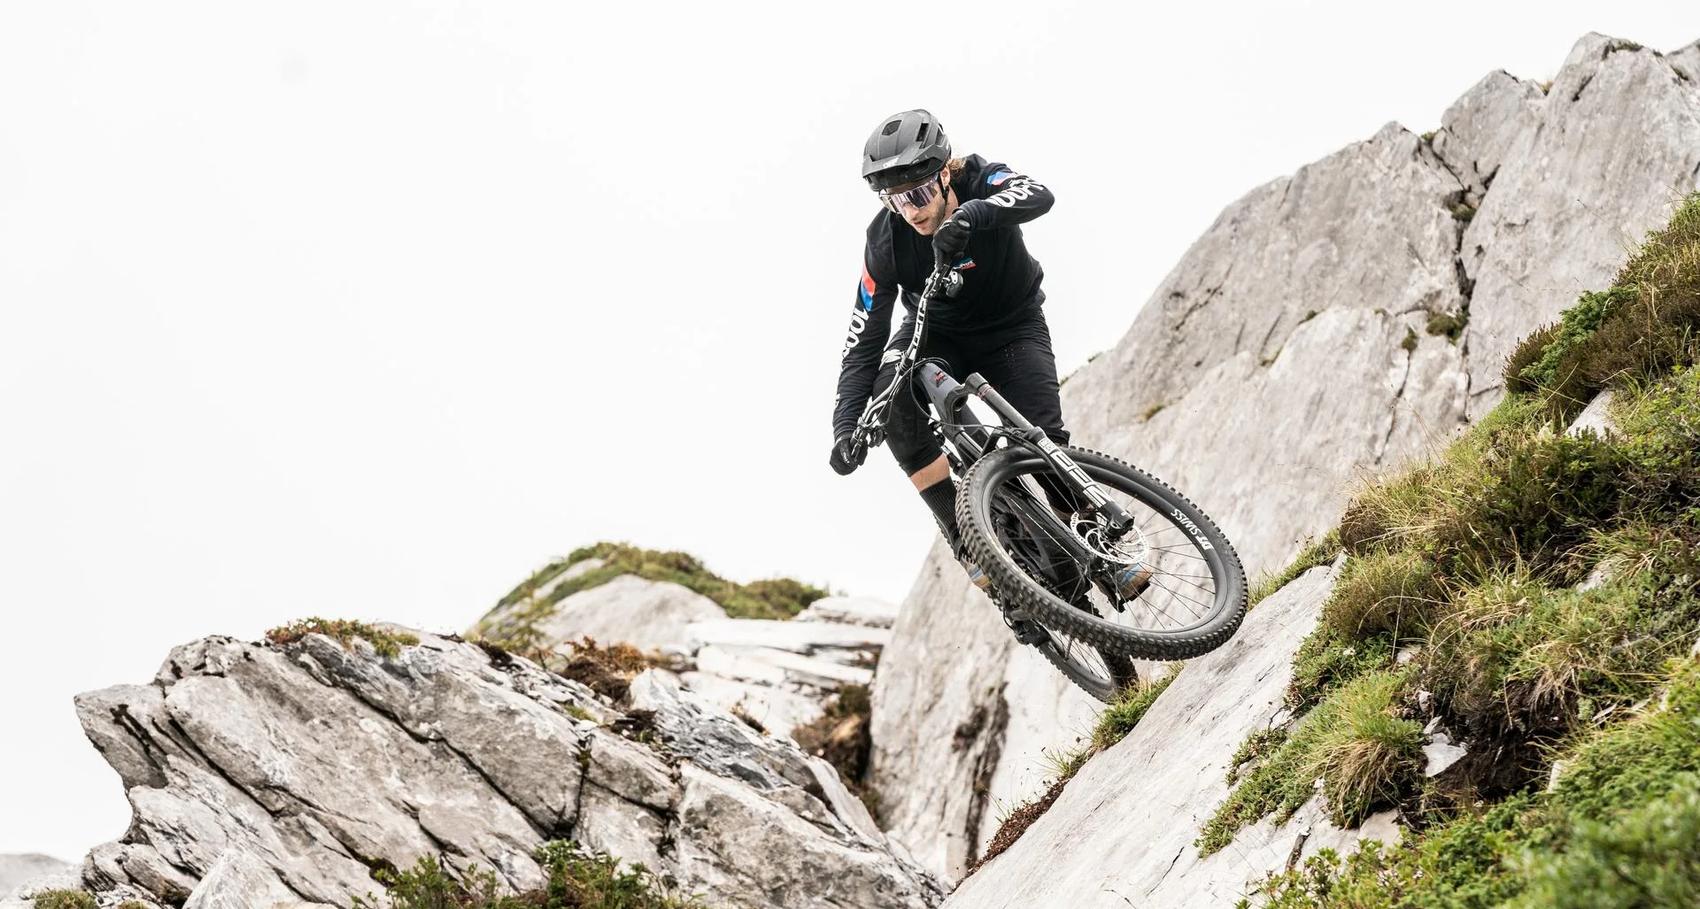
pixel 1091 560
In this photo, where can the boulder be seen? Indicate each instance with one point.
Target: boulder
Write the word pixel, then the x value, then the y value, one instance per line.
pixel 264 773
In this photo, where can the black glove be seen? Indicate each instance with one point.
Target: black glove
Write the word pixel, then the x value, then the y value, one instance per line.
pixel 845 459
pixel 951 239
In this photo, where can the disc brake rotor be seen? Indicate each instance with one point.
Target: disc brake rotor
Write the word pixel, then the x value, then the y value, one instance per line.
pixel 1132 549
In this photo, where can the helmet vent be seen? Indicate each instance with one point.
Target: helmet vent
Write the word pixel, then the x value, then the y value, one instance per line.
pixel 921 136
pixel 891 127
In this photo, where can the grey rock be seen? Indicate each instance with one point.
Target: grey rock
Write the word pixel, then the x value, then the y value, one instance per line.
pixel 1596 417
pixel 1481 128
pixel 776 706
pixel 1439 753
pixel 869 611
pixel 737 845
pixel 1123 828
pixel 240 881
pixel 263 774
pixel 939 716
pixel 805 638
pixel 1615 144
pixel 1686 62
pixel 18 870
pixel 648 615
pixel 780 669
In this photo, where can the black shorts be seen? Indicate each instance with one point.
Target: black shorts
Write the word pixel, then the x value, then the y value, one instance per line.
pixel 1017 360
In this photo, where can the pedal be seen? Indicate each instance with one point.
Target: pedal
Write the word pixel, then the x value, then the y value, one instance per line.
pixel 1027 632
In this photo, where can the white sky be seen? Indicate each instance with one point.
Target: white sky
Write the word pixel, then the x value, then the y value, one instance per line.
pixel 367 309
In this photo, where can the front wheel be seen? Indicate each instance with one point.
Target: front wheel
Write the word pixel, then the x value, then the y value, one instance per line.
pixel 1170 589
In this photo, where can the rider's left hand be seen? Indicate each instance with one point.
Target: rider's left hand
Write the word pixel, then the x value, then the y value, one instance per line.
pixel 951 239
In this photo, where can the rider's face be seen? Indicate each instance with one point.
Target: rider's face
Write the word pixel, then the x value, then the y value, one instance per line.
pixel 927 218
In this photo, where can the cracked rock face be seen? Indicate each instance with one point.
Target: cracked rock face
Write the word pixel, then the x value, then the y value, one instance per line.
pixel 1292 350
pixel 264 775
pixel 1599 160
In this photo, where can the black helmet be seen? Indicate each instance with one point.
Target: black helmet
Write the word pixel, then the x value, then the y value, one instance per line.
pixel 904 148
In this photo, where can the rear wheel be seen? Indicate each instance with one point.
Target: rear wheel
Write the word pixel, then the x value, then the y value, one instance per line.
pixel 1170 589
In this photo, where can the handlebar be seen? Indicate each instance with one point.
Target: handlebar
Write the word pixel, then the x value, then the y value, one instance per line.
pixel 870 429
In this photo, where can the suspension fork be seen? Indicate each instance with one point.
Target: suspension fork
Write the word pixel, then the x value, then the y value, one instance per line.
pixel 1119 520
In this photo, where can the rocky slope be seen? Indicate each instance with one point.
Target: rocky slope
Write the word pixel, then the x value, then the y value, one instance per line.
pixel 778 673
pixel 1138 807
pixel 290 772
pixel 1368 300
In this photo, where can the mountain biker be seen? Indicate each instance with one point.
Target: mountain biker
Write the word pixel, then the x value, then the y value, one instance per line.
pixel 967 212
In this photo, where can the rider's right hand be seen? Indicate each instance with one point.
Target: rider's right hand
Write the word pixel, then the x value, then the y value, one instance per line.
pixel 844 460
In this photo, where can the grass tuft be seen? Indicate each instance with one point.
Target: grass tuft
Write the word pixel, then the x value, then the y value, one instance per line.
pixel 1315 554
pixel 1366 755
pixel 388 644
pixel 1119 718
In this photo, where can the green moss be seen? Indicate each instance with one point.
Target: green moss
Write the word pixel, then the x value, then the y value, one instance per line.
pixel 388 644
pixel 577 879
pixel 1463 212
pixel 1446 323
pixel 65 899
pixel 512 624
pixel 1317 553
pixel 1128 709
pixel 1410 342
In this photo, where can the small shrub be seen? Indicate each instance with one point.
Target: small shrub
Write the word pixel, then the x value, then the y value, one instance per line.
pixel 1256 747
pixel 1642 857
pixel 1368 756
pixel 577 879
pixel 65 899
pixel 1385 593
pixel 388 644
pixel 1325 660
pixel 1449 324
pixel 841 735
pixel 608 671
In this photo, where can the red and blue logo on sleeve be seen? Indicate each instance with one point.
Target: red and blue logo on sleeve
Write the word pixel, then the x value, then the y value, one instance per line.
pixel 996 179
pixel 868 289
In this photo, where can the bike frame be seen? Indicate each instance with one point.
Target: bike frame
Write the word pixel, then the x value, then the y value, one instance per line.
pixel 970 440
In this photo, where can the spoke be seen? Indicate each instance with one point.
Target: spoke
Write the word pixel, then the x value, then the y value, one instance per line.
pixel 1177 596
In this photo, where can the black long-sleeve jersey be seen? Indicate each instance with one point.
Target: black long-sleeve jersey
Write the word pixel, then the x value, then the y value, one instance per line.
pixel 1000 284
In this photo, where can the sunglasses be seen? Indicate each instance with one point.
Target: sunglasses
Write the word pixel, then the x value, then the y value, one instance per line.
pixel 912 198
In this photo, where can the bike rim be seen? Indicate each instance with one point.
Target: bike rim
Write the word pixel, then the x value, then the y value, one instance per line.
pixel 1189 586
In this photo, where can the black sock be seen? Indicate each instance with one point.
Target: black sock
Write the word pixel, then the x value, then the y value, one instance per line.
pixel 941 498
